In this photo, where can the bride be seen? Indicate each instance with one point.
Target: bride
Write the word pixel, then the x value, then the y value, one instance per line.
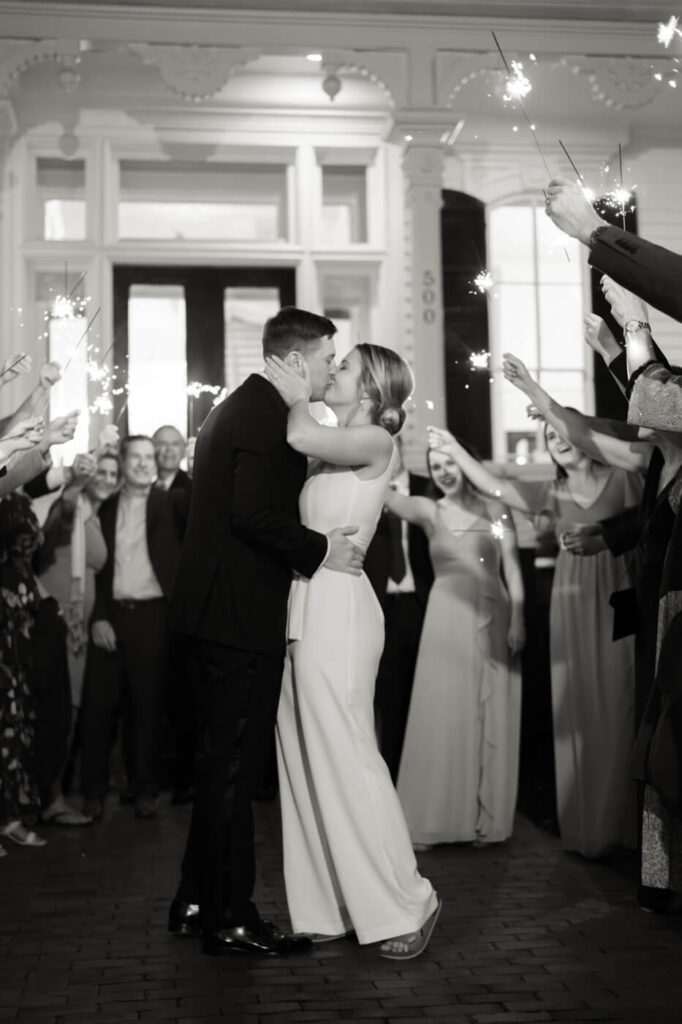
pixel 348 860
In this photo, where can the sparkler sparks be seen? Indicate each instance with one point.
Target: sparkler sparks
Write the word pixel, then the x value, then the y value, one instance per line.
pixel 668 30
pixel 518 84
pixel 483 282
pixel 479 360
pixel 196 389
pixel 497 529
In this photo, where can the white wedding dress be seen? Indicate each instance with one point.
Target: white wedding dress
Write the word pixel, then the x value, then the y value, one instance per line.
pixel 348 859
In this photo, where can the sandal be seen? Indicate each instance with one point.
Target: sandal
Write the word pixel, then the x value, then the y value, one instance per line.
pixel 18 834
pixel 416 942
pixel 66 816
pixel 3 851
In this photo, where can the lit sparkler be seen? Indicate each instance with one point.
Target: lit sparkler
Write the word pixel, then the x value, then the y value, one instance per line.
pixel 668 30
pixel 483 282
pixel 497 529
pixel 479 360
pixel 518 84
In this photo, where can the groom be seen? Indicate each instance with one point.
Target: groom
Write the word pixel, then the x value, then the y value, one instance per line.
pixel 244 539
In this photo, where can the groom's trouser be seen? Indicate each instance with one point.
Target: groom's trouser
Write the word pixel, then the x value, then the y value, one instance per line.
pixel 237 693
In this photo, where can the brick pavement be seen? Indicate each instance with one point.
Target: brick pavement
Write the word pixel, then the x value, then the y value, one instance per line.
pixel 528 934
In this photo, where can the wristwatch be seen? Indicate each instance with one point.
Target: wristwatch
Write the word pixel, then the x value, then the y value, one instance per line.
pixel 636 325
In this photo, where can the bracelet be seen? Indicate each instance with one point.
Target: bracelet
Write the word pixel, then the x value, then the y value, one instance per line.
pixel 636 374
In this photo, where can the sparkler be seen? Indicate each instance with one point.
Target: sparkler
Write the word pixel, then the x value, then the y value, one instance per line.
pixel 668 30
pixel 483 282
pixel 519 86
pixel 479 360
pixel 21 358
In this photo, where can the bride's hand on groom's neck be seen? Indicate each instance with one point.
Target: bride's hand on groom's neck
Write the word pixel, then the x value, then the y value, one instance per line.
pixel 293 383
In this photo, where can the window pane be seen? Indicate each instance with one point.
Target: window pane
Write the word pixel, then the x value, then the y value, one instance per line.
pixel 511 243
pixel 561 326
pixel 64 324
pixel 566 386
pixel 61 191
pixel 559 257
pixel 514 316
pixel 344 206
pixel 237 202
pixel 245 311
pixel 513 405
pixel 157 359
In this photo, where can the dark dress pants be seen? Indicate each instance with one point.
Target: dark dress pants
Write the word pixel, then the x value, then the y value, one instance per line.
pixel 237 693
pixel 49 681
pixel 403 621
pixel 135 674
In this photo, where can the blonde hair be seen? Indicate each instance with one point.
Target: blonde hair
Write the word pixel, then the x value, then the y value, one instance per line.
pixel 387 381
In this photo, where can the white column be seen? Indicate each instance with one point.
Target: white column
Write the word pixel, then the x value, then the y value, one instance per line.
pixel 424 343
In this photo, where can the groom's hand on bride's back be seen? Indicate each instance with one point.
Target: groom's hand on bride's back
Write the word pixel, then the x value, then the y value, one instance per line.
pixel 343 555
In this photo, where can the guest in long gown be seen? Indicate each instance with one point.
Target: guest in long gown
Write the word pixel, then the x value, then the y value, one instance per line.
pixel 73 551
pixel 592 676
pixel 459 770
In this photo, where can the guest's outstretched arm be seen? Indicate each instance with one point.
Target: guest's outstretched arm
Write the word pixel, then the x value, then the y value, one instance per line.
pixel 413 508
pixel 608 441
pixel 480 476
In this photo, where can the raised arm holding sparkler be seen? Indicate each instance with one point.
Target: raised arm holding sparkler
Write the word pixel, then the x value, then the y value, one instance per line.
pixel 36 402
pixel 648 270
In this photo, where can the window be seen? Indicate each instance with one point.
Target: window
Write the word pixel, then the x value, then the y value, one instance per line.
pixel 157 360
pixel 61 195
pixel 536 310
pixel 245 311
pixel 64 313
pixel 344 206
pixel 232 202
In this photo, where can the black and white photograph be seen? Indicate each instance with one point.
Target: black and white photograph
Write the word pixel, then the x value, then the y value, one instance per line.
pixel 340 511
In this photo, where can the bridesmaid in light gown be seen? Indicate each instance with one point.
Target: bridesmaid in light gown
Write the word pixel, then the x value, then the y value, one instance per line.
pixel 459 769
pixel 348 859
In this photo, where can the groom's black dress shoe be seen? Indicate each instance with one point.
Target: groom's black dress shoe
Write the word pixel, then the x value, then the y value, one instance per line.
pixel 263 939
pixel 184 918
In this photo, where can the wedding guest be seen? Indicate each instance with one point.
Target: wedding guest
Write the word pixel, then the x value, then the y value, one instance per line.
pixel 129 646
pixel 592 677
pixel 655 395
pixel 459 771
pixel 398 566
pixel 170 448
pixel 19 598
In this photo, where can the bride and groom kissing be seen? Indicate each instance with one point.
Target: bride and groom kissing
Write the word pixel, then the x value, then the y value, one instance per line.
pixel 278 497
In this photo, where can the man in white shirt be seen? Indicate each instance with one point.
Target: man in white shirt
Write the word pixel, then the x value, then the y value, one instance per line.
pixel 130 635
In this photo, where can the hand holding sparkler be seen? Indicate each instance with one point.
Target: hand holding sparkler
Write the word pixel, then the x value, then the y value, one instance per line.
pixel 21 437
pixel 50 373
pixel 59 431
pixel 568 207
pixel 82 471
pixel 624 305
pixel 582 540
pixel 600 339
pixel 516 372
pixel 109 441
pixel 14 366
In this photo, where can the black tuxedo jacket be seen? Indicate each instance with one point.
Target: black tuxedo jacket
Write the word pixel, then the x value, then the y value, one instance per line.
pixel 182 481
pixel 244 535
pixel 378 558
pixel 648 270
pixel 163 544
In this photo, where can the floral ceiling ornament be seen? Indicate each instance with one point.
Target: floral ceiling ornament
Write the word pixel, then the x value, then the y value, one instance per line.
pixel 194 72
pixel 623 83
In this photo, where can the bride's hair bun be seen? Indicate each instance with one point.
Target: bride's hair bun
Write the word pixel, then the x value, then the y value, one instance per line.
pixel 387 381
pixel 392 419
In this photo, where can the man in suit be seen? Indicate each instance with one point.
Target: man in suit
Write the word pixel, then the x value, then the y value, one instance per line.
pixel 130 634
pixel 650 271
pixel 398 566
pixel 170 447
pixel 244 539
